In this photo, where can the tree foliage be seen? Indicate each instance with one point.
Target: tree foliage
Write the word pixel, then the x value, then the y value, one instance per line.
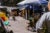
pixel 10 2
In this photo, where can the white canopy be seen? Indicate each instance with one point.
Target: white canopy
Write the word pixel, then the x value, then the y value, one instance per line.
pixel 2 6
pixel 28 1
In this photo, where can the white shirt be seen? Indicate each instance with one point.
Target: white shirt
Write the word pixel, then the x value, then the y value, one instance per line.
pixel 42 19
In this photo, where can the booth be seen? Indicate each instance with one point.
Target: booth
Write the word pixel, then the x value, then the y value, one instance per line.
pixel 30 6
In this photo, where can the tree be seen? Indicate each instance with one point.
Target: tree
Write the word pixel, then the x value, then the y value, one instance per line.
pixel 10 2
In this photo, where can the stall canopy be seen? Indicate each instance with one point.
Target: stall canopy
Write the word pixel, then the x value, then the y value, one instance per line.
pixel 28 1
pixel 32 1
